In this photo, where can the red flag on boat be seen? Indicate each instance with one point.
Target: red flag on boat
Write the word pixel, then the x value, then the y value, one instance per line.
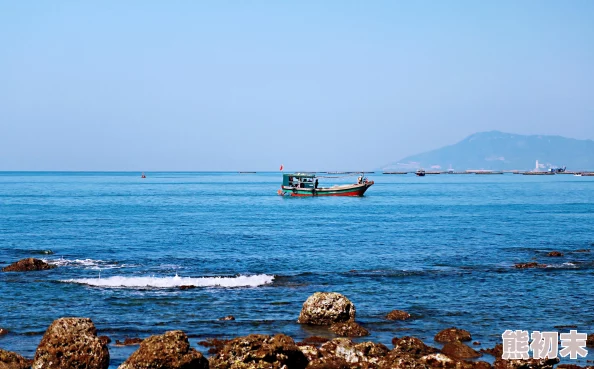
pixel 281 168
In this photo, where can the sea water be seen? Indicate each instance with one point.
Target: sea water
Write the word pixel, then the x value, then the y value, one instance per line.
pixel 440 247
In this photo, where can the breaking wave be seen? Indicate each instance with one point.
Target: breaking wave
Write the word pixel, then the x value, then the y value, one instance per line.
pixel 177 281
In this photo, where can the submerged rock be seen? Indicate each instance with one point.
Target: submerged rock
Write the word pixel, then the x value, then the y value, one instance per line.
pixel 452 334
pixel 168 351
pixel 458 350
pixel 28 265
pixel 11 360
pixel 228 317
pixel 326 308
pixel 71 343
pixel 349 329
pixel 260 351
pixel 214 344
pixel 555 254
pixel 187 287
pixel 529 265
pixel 106 340
pixel 129 342
pixel 496 351
pixel 397 315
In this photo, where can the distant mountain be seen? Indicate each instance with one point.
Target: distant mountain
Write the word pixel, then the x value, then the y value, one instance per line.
pixel 505 151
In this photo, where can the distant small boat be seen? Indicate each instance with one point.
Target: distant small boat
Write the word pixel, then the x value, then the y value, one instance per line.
pixel 420 173
pixel 143 176
pixel 578 174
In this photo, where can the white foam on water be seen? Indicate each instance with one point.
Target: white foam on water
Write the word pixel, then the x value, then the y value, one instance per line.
pixel 177 281
pixel 86 263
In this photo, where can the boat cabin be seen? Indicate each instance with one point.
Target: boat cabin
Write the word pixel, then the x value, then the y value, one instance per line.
pixel 300 180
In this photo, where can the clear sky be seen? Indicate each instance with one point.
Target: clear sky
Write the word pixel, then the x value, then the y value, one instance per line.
pixel 315 85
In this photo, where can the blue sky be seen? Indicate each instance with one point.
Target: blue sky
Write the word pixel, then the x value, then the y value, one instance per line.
pixel 315 85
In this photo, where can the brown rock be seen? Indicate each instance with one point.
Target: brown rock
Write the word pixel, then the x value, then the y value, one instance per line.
pixel 452 334
pixel 529 265
pixel 496 351
pixel 555 254
pixel 365 352
pixel 71 343
pixel 3 332
pixel 590 340
pixel 476 343
pixel 313 340
pixel 228 317
pixel 526 364
pixel 11 360
pixel 328 363
pixel 129 342
pixel 458 350
pixel 397 315
pixel 168 351
pixel 326 308
pixel 349 329
pixel 311 352
pixel 106 340
pixel 215 345
pixel 187 287
pixel 28 265
pixel 412 346
pixel 259 351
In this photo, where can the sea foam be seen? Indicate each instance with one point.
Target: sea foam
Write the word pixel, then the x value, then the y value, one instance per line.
pixel 177 281
pixel 86 263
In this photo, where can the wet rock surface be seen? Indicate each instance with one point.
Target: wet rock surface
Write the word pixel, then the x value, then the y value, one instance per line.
pixel 555 254
pixel 452 334
pixel 496 351
pixel 397 315
pixel 28 265
pixel 526 364
pixel 412 346
pixel 227 318
pixel 11 360
pixel 590 340
pixel 458 350
pixel 326 308
pixel 259 351
pixel 168 351
pixel 349 329
pixel 3 332
pixel 529 265
pixel 129 342
pixel 71 343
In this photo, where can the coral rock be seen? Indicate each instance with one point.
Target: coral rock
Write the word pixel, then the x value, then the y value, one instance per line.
pixel 71 343
pixel 10 360
pixel 412 346
pixel 349 329
pixel 28 265
pixel 526 364
pixel 452 334
pixel 397 315
pixel 259 351
pixel 326 308
pixel 168 351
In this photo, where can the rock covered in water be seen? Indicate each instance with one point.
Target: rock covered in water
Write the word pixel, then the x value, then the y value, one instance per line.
pixel 11 360
pixel 3 332
pixel 260 351
pixel 71 343
pixel 28 265
pixel 533 264
pixel 349 329
pixel 326 308
pixel 129 341
pixel 458 350
pixel 525 364
pixel 227 318
pixel 397 315
pixel 555 254
pixel 452 334
pixel 168 351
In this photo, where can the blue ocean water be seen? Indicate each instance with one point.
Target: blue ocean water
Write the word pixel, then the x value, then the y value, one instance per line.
pixel 440 247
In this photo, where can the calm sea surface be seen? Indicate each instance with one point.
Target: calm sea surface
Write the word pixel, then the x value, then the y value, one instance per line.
pixel 440 247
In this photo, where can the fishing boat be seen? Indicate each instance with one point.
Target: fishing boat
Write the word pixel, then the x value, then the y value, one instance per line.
pixel 306 184
pixel 420 173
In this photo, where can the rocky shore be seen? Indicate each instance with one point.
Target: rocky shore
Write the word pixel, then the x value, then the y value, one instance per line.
pixel 74 343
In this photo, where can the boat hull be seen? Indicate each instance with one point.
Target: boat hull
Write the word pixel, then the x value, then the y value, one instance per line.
pixel 350 190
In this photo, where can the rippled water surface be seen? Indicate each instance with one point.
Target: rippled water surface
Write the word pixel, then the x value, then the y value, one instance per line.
pixel 440 247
